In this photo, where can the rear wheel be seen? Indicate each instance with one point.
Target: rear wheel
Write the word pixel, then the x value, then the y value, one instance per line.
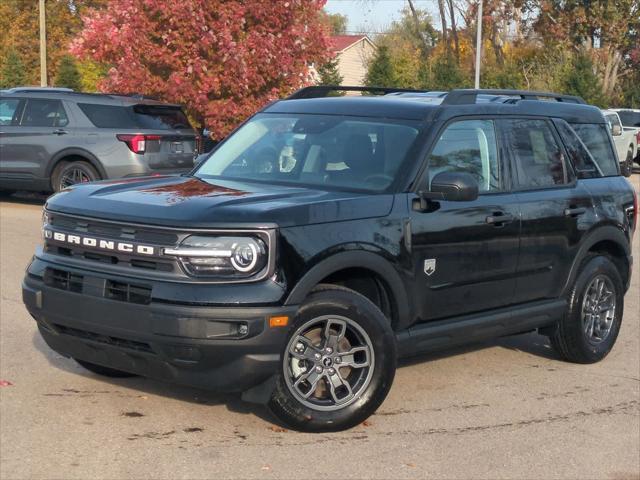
pixel 627 167
pixel 67 174
pixel 104 371
pixel 590 327
pixel 338 364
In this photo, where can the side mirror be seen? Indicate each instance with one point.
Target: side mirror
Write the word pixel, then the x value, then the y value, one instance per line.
pixel 616 130
pixel 452 186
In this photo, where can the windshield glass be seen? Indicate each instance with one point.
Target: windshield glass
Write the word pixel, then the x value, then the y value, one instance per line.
pixel 324 150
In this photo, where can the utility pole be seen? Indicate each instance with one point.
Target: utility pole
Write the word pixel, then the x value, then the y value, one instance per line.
pixel 43 46
pixel 478 45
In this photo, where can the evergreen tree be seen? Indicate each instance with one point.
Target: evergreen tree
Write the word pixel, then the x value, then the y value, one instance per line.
pixel 12 73
pixel 580 79
pixel 380 72
pixel 68 75
pixel 329 74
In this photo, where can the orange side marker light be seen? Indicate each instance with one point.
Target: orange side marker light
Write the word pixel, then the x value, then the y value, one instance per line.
pixel 281 321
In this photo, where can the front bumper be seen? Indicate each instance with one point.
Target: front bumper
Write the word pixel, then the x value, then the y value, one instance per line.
pixel 223 348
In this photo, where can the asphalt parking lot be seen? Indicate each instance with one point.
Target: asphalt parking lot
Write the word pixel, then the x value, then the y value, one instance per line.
pixel 503 409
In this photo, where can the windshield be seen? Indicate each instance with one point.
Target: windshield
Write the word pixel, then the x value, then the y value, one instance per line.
pixel 629 118
pixel 358 153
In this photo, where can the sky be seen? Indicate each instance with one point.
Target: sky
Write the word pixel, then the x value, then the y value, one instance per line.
pixel 373 16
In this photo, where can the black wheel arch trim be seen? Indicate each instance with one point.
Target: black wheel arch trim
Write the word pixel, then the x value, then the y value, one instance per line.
pixel 604 233
pixel 76 152
pixel 355 259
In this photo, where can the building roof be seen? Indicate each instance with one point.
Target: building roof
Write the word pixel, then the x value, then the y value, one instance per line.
pixel 342 42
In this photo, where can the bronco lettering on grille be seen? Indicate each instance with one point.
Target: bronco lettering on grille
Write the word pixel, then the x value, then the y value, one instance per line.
pixel 112 245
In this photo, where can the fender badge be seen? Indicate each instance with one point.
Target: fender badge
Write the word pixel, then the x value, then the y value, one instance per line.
pixel 430 266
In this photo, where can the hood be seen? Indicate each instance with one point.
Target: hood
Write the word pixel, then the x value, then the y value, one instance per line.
pixel 196 203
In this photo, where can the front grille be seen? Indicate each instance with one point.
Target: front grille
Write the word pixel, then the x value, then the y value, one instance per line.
pixel 125 292
pixel 113 232
pixel 104 339
pixel 116 259
pixel 63 280
pixel 106 229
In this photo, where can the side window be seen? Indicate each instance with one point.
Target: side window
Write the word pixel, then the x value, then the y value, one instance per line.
pixel 613 121
pixel 8 110
pixel 582 160
pixel 469 146
pixel 538 158
pixel 596 139
pixel 44 113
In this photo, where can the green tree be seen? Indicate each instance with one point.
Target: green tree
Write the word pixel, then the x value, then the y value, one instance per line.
pixel 12 72
pixel 68 74
pixel 380 72
pixel 443 74
pixel 580 79
pixel 329 74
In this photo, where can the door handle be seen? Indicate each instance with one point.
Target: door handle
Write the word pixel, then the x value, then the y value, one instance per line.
pixel 574 211
pixel 60 131
pixel 499 219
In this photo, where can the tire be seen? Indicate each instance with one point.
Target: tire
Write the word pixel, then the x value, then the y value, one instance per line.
pixel 354 323
pixel 66 174
pixel 573 338
pixel 627 166
pixel 104 371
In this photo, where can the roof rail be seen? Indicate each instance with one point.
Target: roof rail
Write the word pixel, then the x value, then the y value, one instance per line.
pixel 469 96
pixel 39 89
pixel 318 91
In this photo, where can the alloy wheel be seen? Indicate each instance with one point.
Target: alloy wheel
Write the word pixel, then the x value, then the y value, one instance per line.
pixel 328 362
pixel 73 176
pixel 598 309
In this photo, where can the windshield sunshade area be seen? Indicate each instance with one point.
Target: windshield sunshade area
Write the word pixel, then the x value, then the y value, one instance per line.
pixel 315 150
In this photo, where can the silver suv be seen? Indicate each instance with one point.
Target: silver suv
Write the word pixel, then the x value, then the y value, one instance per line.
pixel 51 138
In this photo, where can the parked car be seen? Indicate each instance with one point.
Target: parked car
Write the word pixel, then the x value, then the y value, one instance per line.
pixel 625 140
pixel 327 237
pixel 630 119
pixel 53 138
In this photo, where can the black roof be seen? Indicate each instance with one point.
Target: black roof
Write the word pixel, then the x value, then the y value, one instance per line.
pixel 431 106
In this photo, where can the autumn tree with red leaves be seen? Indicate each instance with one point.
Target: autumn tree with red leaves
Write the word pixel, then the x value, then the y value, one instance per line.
pixel 222 59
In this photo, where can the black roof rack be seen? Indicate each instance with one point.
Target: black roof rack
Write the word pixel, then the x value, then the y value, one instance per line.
pixel 468 96
pixel 318 91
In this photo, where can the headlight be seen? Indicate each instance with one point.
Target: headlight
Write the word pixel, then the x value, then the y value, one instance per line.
pixel 223 257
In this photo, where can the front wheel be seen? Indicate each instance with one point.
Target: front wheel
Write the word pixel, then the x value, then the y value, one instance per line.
pixel 590 327
pixel 338 364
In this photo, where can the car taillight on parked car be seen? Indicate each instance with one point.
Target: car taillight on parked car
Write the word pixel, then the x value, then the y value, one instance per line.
pixel 137 143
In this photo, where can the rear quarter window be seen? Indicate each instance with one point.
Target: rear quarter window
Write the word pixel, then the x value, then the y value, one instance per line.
pixel 109 116
pixel 147 117
pixel 596 138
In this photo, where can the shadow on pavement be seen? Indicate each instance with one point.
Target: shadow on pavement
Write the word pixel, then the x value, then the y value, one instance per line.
pixel 25 198
pixel 530 343
pixel 144 385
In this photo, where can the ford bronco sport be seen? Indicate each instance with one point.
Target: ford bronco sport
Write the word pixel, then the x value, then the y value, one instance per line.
pixel 327 237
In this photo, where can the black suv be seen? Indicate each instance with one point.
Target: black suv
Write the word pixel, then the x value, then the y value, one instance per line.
pixel 51 138
pixel 326 237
